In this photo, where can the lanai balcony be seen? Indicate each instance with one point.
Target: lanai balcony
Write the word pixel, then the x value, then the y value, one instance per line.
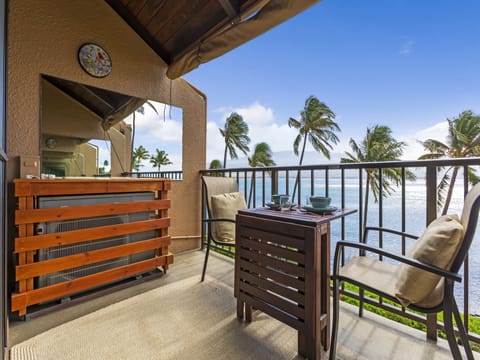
pixel 222 335
pixel 370 337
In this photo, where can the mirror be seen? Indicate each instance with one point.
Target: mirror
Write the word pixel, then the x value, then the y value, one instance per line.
pixel 87 131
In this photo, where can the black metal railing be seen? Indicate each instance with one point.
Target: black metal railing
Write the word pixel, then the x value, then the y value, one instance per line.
pixel 410 208
pixel 172 175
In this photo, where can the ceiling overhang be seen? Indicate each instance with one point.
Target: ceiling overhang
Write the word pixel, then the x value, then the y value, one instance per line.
pixel 109 106
pixel 187 33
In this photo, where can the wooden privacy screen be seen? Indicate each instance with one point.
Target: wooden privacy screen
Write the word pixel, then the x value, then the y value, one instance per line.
pixel 29 243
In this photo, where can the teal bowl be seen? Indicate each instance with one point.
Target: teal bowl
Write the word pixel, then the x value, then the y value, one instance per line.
pixel 320 202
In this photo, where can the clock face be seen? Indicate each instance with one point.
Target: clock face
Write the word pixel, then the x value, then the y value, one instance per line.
pixel 51 143
pixel 94 60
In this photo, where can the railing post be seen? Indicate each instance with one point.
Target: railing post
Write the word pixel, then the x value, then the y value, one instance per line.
pixel 274 182
pixel 431 194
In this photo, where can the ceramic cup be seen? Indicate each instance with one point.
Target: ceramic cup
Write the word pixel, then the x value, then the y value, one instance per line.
pixel 320 202
pixel 276 199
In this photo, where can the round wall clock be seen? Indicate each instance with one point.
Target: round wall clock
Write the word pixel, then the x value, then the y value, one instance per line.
pixel 51 143
pixel 94 60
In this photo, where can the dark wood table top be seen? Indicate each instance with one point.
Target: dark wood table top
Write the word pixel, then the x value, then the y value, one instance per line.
pixel 296 215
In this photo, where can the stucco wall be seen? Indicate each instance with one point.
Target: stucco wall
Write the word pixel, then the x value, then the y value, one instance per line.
pixel 44 37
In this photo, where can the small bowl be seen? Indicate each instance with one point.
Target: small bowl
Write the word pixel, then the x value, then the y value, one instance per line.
pixel 276 198
pixel 320 202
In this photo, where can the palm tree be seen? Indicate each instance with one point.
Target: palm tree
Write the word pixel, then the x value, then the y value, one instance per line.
pixel 262 156
pixel 378 145
pixel 215 164
pixel 235 133
pixel 102 170
pixel 463 140
pixel 159 159
pixel 138 155
pixel 317 126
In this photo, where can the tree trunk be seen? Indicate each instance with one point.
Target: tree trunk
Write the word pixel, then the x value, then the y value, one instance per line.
pixel 450 190
pixel 225 157
pixel 298 172
pixel 251 190
pixel 365 205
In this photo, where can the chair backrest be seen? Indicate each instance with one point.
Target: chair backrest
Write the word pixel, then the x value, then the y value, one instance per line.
pixel 469 221
pixel 216 185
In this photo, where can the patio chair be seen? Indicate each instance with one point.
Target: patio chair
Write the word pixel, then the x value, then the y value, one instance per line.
pixel 223 200
pixel 424 279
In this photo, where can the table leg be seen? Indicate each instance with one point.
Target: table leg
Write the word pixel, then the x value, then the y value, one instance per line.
pixel 248 312
pixel 325 289
pixel 240 306
pixel 302 344
pixel 325 326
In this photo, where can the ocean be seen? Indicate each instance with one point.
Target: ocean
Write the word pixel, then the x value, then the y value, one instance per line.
pixel 415 219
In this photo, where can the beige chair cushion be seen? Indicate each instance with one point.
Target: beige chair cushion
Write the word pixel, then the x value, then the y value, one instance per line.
pixel 437 246
pixel 376 274
pixel 226 206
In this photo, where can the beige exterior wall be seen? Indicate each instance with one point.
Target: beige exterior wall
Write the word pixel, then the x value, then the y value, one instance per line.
pixel 44 37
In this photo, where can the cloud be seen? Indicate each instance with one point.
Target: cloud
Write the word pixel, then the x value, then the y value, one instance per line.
pixel 165 125
pixel 152 131
pixel 406 48
pixel 159 130
pixel 262 128
pixel 168 130
pixel 414 149
pixel 215 143
pixel 257 115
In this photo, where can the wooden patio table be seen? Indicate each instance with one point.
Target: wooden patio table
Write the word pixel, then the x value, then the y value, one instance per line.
pixel 282 267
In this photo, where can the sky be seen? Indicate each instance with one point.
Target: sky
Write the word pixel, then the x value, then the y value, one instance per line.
pixel 408 64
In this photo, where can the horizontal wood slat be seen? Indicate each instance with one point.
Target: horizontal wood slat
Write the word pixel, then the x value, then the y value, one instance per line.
pixel 23 300
pixel 75 236
pixel 273 263
pixel 270 285
pixel 269 224
pixel 288 254
pixel 86 211
pixel 293 322
pixel 275 300
pixel 32 187
pixel 276 276
pixel 69 262
pixel 146 239
pixel 287 240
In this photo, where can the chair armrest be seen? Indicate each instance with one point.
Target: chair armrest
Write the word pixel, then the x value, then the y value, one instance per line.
pixel 391 231
pixel 216 220
pixel 400 258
